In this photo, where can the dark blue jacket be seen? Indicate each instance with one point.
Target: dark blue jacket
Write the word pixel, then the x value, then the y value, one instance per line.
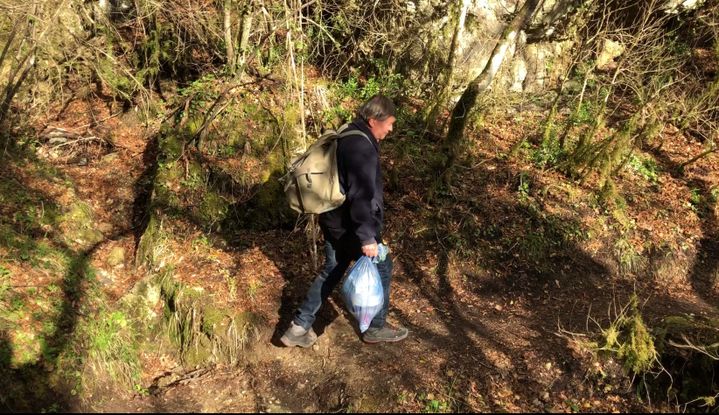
pixel 360 175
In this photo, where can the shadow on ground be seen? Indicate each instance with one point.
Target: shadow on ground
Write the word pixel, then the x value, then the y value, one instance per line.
pixel 483 278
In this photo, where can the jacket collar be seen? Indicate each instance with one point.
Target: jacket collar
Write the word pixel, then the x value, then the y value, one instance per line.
pixel 362 125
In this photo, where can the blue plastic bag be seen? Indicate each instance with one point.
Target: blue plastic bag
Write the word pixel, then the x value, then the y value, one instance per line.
pixel 382 251
pixel 363 293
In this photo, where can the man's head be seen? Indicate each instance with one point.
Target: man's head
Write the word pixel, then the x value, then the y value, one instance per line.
pixel 379 113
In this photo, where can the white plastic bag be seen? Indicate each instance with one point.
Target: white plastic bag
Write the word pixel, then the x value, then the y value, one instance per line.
pixel 363 292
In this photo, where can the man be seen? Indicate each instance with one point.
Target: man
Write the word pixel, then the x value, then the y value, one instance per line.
pixel 354 229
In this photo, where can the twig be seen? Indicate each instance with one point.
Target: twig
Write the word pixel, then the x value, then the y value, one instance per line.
pixel 690 346
pixel 80 140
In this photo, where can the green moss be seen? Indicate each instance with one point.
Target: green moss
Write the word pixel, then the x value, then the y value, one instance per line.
pixel 113 346
pixel 112 74
pixel 168 176
pixel 264 127
pixel 116 256
pixel 172 144
pixel 212 210
pixel 231 333
pixel 26 348
pixel 195 176
pixel 212 318
pixel 630 339
pixel 200 352
pixel 166 198
pixel 183 316
pixel 78 225
pixel 168 173
pixel 268 208
pixel 141 302
pixel 638 352
pixel 193 125
pixel 203 332
pixel 150 242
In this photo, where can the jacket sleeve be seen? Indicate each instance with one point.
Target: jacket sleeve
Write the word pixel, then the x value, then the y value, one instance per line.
pixel 360 162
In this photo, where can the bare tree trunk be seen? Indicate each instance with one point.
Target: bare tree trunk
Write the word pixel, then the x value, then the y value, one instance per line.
pixel 21 66
pixel 13 86
pixel 468 99
pixel 229 41
pixel 243 37
pixel 449 71
pixel 26 62
pixel 246 26
pixel 8 43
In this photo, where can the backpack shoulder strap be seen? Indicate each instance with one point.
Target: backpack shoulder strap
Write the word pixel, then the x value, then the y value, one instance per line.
pixel 344 132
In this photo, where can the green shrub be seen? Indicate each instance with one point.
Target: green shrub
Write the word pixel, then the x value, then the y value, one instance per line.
pixel 548 153
pixel 646 167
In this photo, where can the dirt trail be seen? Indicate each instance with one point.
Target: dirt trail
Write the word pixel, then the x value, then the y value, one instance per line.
pixel 501 354
pixel 478 342
pixel 481 359
pixel 460 357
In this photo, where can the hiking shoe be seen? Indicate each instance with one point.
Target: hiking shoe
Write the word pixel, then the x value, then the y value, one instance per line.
pixel 385 334
pixel 298 336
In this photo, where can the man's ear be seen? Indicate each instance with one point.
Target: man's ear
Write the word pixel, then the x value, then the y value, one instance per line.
pixel 371 122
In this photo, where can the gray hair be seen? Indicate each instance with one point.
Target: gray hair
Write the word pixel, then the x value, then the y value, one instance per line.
pixel 379 107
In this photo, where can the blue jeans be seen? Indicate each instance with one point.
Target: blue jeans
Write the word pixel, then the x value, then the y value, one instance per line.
pixel 339 254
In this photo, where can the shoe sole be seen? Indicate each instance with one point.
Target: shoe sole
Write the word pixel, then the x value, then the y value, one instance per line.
pixel 387 340
pixel 289 343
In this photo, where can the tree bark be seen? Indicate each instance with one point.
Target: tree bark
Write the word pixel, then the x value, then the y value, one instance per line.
pixel 449 70
pixel 27 61
pixel 246 26
pixel 229 41
pixel 698 157
pixel 12 88
pixel 468 99
pixel 8 43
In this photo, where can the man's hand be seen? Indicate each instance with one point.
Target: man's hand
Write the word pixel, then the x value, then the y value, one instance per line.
pixel 370 250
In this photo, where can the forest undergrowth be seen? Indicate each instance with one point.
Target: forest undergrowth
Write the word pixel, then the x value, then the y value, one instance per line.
pixel 561 255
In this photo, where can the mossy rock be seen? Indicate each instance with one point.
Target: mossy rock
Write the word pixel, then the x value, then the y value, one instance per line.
pixel 267 210
pixel 230 332
pixel 149 240
pixel 116 257
pixel 171 144
pixel 142 301
pixel 78 226
pixel 213 210
pixel 194 178
pixel 212 319
pixel 168 174
pixel 203 332
pixel 168 177
pixel 200 353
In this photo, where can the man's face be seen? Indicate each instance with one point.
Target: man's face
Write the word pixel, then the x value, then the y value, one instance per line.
pixel 380 129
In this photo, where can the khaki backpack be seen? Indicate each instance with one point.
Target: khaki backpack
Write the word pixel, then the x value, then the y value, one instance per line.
pixel 312 183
